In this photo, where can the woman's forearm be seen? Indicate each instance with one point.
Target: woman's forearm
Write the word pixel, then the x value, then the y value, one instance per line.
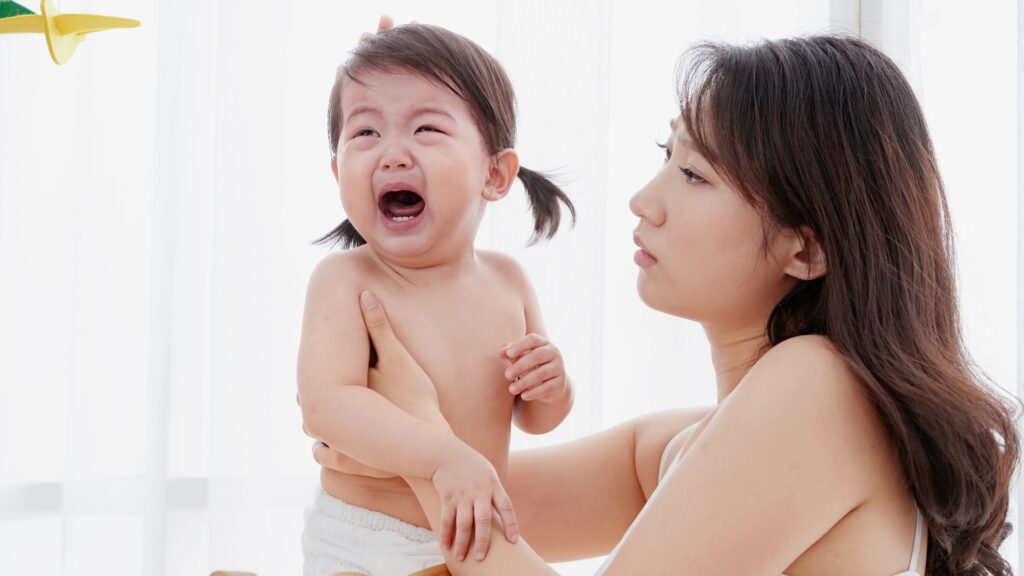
pixel 503 558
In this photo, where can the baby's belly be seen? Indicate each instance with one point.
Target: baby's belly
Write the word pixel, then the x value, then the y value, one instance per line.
pixel 392 496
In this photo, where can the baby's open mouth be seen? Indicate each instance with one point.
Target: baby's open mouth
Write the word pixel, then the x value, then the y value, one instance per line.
pixel 402 205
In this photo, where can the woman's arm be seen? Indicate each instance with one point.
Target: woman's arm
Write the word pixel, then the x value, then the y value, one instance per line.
pixel 561 492
pixel 337 406
pixel 783 459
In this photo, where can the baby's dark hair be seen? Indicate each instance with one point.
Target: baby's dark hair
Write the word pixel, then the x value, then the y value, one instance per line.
pixel 469 72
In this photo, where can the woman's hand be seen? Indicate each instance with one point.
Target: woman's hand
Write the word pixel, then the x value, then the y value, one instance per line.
pixel 466 482
pixel 397 376
pixel 385 23
pixel 332 459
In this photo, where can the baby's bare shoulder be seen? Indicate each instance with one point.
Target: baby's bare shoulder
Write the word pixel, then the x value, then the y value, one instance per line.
pixel 505 269
pixel 346 271
pixel 500 262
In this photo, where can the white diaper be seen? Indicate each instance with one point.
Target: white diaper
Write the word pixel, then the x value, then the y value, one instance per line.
pixel 339 537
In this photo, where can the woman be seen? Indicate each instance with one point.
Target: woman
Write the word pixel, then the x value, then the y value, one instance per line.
pixel 801 219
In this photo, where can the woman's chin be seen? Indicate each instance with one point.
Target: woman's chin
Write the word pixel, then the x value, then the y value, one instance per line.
pixel 659 300
pixel 648 294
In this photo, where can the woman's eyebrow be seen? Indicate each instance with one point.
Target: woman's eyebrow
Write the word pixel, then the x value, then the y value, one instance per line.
pixel 679 136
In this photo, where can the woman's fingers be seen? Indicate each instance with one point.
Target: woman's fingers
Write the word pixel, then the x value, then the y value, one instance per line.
pixel 385 23
pixel 323 455
pixel 377 326
pixel 331 459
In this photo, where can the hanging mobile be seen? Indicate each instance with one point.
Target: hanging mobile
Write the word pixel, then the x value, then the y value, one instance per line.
pixel 64 32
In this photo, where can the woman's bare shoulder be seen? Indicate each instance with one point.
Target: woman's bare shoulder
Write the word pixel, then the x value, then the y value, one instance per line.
pixel 804 365
pixel 807 382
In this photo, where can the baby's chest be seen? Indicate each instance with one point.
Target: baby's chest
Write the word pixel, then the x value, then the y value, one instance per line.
pixel 458 341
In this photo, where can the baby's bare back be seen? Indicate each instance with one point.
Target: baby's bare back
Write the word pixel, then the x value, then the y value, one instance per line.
pixel 456 332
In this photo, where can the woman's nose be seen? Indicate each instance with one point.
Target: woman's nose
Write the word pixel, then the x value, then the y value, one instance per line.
pixel 644 206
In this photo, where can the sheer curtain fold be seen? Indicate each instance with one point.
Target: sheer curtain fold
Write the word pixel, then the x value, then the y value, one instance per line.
pixel 158 197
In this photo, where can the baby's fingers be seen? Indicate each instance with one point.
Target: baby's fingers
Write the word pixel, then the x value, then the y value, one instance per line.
pixel 508 516
pixel 549 390
pixel 537 377
pixel 482 533
pixel 463 530
pixel 529 361
pixel 524 344
pixel 447 525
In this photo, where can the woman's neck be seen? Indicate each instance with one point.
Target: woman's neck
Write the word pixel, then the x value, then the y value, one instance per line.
pixel 733 352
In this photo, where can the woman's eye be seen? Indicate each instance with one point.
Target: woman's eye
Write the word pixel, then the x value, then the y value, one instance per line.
pixel 691 176
pixel 427 129
pixel 668 151
pixel 364 132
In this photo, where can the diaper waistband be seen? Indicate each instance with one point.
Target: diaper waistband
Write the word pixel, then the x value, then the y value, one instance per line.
pixel 368 519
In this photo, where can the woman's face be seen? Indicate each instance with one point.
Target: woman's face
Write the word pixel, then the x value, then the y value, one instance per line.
pixel 702 245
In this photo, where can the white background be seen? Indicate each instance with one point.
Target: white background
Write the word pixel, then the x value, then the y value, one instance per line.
pixel 158 196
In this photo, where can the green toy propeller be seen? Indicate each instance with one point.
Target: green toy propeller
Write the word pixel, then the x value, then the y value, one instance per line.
pixel 64 32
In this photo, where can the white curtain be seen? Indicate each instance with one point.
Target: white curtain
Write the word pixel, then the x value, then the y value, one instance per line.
pixel 159 193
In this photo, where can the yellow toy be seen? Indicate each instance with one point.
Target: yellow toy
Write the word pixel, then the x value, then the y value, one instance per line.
pixel 64 32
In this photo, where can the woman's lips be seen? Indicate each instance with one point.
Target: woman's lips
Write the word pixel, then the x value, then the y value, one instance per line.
pixel 642 257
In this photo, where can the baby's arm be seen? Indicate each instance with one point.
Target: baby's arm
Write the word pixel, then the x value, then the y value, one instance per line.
pixel 337 406
pixel 536 373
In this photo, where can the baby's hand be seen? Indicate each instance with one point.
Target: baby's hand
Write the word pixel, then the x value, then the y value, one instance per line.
pixel 536 369
pixel 469 489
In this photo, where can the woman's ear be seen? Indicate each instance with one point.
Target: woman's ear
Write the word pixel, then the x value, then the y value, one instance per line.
pixel 334 167
pixel 806 259
pixel 502 173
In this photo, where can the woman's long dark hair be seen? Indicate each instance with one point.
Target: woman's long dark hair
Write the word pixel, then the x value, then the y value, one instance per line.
pixel 824 134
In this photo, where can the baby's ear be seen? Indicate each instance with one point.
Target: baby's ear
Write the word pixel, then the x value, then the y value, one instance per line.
pixel 807 258
pixel 501 174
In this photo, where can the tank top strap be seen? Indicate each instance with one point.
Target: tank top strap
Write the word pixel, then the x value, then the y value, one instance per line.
pixel 915 556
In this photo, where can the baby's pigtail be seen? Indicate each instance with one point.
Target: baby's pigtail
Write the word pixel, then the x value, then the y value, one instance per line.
pixel 345 235
pixel 544 198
